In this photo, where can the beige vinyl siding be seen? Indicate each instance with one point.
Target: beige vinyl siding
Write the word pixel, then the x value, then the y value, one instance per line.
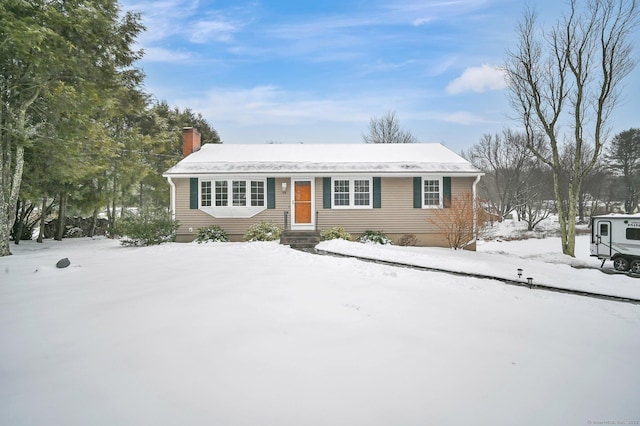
pixel 396 217
pixel 397 214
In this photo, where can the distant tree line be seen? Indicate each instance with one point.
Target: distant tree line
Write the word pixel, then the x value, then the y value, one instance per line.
pixel 78 133
pixel 518 183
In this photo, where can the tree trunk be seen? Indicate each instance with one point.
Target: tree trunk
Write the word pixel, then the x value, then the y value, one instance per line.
pixel 581 205
pixel 629 202
pixel 94 220
pixel 562 216
pixel 9 197
pixel 62 216
pixel 43 218
pixel 574 190
pixel 112 218
pixel 18 225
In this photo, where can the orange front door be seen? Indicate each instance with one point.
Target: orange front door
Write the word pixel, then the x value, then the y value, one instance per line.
pixel 302 202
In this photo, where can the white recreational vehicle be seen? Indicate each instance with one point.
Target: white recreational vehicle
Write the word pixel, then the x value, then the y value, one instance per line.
pixel 617 238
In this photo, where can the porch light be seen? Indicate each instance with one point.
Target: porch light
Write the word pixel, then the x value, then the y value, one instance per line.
pixel 284 187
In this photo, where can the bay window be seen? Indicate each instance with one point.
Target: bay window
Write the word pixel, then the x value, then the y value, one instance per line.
pixel 232 193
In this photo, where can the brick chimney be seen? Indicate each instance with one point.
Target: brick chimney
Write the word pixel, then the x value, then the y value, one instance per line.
pixel 190 140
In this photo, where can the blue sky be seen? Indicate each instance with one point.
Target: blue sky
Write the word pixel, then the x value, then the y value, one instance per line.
pixel 317 71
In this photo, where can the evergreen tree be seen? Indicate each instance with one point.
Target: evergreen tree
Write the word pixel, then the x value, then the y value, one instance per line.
pixel 75 47
pixel 623 159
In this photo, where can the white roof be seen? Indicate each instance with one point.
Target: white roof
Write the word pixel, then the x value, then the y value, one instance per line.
pixel 282 159
pixel 618 216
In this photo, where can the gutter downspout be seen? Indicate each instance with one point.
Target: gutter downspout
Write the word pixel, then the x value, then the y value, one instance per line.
pixel 475 207
pixel 173 198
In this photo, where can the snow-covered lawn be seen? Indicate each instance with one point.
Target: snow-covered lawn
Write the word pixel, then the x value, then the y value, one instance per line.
pixel 539 259
pixel 259 334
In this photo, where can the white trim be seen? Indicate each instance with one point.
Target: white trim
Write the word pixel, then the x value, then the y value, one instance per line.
pixel 440 180
pixel 328 172
pixel 304 226
pixel 352 192
pixel 231 211
pixel 474 197
pixel 172 197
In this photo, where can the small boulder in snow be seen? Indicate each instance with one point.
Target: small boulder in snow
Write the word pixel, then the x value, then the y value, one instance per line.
pixel 63 263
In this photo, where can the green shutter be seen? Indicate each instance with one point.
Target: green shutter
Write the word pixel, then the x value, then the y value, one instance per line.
pixel 193 193
pixel 326 192
pixel 377 193
pixel 417 192
pixel 446 191
pixel 271 193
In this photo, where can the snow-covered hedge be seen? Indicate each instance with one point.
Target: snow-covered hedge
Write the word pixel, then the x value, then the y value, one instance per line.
pixel 147 229
pixel 263 231
pixel 335 233
pixel 211 234
pixel 374 237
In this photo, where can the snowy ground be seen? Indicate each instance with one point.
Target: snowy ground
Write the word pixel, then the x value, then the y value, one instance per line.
pixel 259 334
pixel 539 259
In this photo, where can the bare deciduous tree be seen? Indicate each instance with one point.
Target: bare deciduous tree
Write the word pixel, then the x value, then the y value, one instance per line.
pixel 459 223
pixel 599 187
pixel 508 164
pixel 564 83
pixel 535 206
pixel 386 129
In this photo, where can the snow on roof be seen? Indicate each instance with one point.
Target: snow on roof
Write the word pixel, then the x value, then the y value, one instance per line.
pixel 334 158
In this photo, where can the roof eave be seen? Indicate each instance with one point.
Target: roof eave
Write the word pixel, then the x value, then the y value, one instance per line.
pixel 286 174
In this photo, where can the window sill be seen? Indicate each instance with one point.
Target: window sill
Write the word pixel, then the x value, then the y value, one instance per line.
pixel 352 207
pixel 232 212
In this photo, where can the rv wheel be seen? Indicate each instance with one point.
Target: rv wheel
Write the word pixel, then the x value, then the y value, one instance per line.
pixel 635 266
pixel 620 264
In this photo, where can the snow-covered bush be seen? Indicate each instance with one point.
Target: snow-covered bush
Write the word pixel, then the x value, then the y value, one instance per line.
pixel 74 232
pixel 148 228
pixel 334 233
pixel 211 234
pixel 374 237
pixel 263 231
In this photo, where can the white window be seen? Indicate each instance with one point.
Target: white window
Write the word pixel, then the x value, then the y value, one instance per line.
pixel 239 192
pixel 352 193
pixel 341 193
pixel 257 193
pixel 222 196
pixel 232 193
pixel 431 192
pixel 205 193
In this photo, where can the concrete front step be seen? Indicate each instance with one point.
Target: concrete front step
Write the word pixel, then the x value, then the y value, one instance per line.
pixel 300 239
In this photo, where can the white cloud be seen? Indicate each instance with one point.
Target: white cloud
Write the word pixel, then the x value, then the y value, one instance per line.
pixel 478 79
pixel 159 54
pixel 269 104
pixel 217 30
pixel 421 21
pixel 272 105
pixel 186 19
pixel 163 19
pixel 464 118
pixel 382 66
